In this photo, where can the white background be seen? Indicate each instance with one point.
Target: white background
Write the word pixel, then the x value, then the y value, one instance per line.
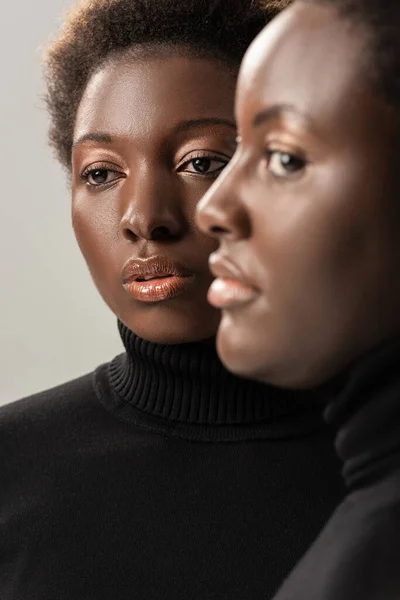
pixel 54 326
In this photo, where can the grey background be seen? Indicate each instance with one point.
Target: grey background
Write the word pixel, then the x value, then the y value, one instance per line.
pixel 54 326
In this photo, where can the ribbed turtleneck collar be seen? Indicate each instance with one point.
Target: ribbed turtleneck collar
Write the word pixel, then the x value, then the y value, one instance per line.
pixel 184 389
pixel 365 411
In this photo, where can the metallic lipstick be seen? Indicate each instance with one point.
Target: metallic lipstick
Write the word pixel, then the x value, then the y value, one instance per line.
pixel 155 278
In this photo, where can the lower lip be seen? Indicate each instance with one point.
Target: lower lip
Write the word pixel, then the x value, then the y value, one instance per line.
pixel 157 290
pixel 229 293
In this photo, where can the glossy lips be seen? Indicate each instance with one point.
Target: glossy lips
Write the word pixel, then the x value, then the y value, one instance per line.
pixel 155 279
pixel 228 290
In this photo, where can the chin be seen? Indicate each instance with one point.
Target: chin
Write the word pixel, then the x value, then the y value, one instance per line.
pixel 169 337
pixel 242 356
pixel 238 356
pixel 170 322
pixel 162 327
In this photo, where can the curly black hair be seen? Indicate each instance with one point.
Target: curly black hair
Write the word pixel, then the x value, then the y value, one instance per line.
pixel 381 21
pixel 98 29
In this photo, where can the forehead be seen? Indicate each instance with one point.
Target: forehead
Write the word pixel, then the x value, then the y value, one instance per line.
pixel 309 57
pixel 139 95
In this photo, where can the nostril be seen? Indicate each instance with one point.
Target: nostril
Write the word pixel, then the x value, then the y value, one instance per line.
pixel 219 230
pixel 162 233
pixel 129 235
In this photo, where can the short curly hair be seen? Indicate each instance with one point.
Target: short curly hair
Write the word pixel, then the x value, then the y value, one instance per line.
pixel 98 29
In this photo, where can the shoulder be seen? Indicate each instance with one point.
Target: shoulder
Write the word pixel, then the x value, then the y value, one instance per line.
pixel 48 403
pixel 52 430
pixel 48 416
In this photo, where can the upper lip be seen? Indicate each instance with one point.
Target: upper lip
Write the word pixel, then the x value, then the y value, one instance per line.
pixel 156 266
pixel 222 266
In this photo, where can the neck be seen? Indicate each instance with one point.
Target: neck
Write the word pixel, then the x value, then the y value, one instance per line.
pixel 366 414
pixel 186 386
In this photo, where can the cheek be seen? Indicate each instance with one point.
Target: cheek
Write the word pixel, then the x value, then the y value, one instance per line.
pixel 299 246
pixel 317 251
pixel 205 244
pixel 95 226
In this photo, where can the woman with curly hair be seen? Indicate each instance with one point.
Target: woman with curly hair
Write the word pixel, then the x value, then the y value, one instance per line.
pixel 160 475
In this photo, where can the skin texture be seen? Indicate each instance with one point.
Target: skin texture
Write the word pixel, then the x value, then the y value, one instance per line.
pixel 147 105
pixel 307 211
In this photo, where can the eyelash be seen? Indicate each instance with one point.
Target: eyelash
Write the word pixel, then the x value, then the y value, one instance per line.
pixel 106 168
pixel 224 160
pixel 100 167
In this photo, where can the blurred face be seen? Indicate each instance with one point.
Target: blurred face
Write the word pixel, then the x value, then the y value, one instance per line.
pixel 307 211
pixel 152 133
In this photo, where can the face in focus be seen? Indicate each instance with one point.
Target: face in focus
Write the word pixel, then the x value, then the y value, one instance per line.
pixel 306 213
pixel 151 135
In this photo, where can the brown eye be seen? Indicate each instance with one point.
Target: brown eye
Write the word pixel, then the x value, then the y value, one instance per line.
pixel 204 165
pixel 99 177
pixel 207 165
pixel 284 164
pixel 201 165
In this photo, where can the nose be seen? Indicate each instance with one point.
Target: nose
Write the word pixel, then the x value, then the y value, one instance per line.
pixel 152 208
pixel 222 213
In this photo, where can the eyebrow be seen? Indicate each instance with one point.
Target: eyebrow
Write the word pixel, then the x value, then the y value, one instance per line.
pixel 203 122
pixel 106 138
pixel 94 136
pixel 276 111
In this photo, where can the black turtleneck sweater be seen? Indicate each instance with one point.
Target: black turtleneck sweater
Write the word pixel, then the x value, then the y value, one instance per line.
pixel 357 555
pixel 160 476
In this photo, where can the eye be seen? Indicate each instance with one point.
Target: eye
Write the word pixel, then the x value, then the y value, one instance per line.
pixel 284 164
pixel 204 165
pixel 99 176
